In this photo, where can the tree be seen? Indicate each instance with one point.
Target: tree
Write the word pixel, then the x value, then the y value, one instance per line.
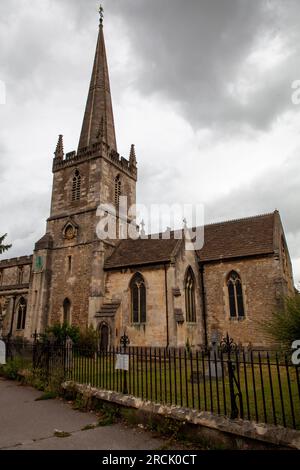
pixel 3 247
pixel 284 326
pixel 59 333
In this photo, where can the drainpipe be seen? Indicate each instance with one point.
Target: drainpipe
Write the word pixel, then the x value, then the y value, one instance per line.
pixel 167 305
pixel 204 308
pixel 12 318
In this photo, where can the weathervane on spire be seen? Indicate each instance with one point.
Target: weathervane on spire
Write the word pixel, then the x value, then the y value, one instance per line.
pixel 101 13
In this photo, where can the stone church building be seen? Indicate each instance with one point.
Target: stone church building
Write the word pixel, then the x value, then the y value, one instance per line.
pixel 155 289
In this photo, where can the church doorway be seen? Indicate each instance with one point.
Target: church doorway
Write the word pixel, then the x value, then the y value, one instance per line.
pixel 67 311
pixel 104 337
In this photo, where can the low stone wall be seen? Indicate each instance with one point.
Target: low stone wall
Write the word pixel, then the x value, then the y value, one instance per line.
pixel 233 434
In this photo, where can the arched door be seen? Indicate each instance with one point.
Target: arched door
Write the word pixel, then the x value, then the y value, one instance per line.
pixel 67 311
pixel 104 332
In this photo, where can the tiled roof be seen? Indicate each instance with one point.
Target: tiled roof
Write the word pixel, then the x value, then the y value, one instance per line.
pixel 141 251
pixel 224 240
pixel 108 309
pixel 238 238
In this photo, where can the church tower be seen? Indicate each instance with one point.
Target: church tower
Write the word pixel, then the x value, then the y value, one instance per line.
pixel 68 277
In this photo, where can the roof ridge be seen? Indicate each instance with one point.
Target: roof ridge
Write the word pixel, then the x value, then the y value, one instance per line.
pixel 158 235
pixel 258 216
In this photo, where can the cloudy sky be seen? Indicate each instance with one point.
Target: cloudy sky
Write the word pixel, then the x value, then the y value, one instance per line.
pixel 202 87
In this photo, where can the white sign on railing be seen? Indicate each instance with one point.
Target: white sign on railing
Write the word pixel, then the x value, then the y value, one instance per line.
pixel 122 362
pixel 2 352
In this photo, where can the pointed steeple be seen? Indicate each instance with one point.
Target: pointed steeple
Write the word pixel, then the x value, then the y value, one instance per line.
pixel 59 151
pixel 98 122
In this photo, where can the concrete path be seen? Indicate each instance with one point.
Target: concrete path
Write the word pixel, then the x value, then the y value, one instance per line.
pixel 29 424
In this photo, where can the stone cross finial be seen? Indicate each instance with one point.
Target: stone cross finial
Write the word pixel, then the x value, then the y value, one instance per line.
pixel 143 233
pixel 101 13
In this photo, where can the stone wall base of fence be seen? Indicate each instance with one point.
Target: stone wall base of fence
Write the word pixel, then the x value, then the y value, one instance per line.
pixel 218 431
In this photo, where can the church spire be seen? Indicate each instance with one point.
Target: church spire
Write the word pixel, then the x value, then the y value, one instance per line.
pixel 98 122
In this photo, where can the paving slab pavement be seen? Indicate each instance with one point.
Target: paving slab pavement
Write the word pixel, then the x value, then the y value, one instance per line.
pixel 27 424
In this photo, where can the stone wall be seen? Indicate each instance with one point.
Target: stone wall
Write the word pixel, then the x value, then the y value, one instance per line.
pixel 217 431
pixel 109 173
pixel 165 296
pixel 62 188
pixel 14 283
pixel 73 285
pixel 263 283
pixel 154 332
pixel 15 271
pixel 83 282
pixel 262 290
pixel 182 334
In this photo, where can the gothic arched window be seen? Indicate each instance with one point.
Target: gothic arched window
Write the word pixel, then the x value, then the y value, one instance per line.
pixel 138 299
pixel 76 186
pixel 117 191
pixel 21 310
pixel 67 311
pixel 190 306
pixel 235 293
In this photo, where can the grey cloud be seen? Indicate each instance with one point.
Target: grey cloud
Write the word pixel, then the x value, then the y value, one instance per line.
pixel 154 184
pixel 187 51
pixel 278 189
pixel 3 156
pixel 29 224
pixel 190 51
pixel 42 54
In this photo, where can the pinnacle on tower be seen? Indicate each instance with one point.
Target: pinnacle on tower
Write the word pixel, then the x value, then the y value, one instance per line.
pixel 59 152
pixel 132 157
pixel 98 123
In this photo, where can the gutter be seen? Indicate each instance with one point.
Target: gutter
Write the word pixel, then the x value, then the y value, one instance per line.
pixel 137 265
pixel 167 305
pixel 204 306
pixel 12 318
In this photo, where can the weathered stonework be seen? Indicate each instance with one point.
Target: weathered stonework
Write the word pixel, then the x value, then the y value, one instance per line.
pixel 239 430
pixel 74 276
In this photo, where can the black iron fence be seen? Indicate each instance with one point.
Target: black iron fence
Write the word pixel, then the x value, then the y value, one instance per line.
pixel 261 386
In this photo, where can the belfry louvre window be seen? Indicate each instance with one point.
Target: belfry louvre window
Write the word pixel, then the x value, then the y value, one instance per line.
pixel 235 293
pixel 76 186
pixel 21 321
pixel 117 191
pixel 190 307
pixel 138 299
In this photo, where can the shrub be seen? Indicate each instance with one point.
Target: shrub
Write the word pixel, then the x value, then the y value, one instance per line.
pixel 88 342
pixel 11 369
pixel 59 333
pixel 284 326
